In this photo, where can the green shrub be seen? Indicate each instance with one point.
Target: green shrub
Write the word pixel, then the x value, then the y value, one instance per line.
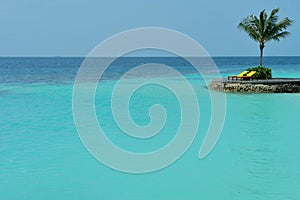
pixel 261 72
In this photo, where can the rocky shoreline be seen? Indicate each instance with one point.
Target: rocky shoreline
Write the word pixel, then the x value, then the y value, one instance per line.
pixel 274 85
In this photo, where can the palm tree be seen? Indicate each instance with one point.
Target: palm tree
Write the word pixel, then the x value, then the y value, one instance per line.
pixel 264 28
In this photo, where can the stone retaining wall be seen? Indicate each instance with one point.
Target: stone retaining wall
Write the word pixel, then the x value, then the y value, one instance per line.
pixel 259 87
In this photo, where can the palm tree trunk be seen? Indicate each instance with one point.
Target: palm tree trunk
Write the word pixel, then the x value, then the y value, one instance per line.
pixel 261 48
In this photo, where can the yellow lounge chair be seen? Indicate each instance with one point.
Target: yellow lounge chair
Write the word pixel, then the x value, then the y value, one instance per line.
pixel 250 75
pixel 238 76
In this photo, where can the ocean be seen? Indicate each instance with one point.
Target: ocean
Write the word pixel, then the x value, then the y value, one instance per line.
pixel 42 157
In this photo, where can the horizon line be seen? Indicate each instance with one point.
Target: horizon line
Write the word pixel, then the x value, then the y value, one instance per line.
pixel 145 56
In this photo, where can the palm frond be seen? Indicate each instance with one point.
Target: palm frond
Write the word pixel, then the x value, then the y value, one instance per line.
pixel 262 21
pixel 273 18
pixel 249 25
pixel 280 35
pixel 278 28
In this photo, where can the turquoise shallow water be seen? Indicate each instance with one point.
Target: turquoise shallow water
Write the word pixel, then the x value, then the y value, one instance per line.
pixel 42 157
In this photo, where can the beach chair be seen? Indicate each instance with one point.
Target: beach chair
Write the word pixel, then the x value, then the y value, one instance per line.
pixel 249 76
pixel 238 76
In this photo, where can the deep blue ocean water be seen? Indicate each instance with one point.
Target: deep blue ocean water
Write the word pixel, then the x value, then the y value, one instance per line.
pixel 42 157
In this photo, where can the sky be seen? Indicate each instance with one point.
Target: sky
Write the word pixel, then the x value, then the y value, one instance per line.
pixel 75 27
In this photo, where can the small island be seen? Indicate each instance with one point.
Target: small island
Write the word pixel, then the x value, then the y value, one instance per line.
pixel 262 28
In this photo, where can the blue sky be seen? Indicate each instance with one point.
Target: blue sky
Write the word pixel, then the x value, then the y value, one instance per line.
pixel 75 27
